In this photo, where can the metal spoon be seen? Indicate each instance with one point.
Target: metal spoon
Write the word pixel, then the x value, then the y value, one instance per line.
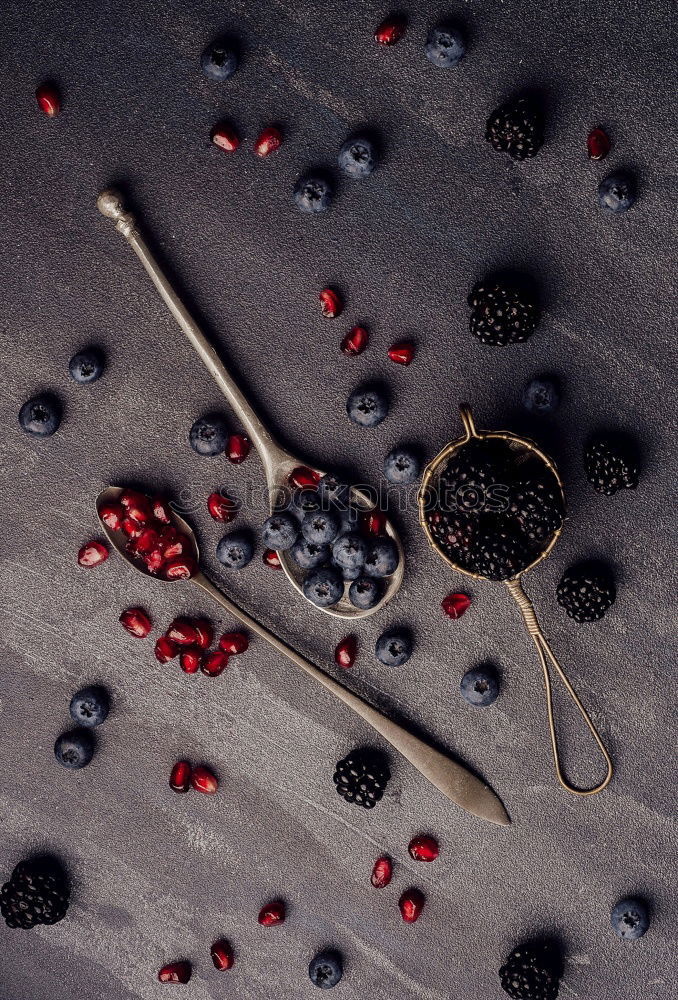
pixel 278 463
pixel 453 780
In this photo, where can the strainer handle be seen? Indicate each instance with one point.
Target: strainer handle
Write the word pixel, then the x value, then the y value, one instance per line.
pixel 546 653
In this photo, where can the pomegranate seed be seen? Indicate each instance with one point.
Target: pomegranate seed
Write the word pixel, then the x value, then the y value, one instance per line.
pixel 182 632
pixel 204 632
pixel 173 543
pixel 48 99
pixel 238 448
pixel 131 527
pixel 272 559
pixel 214 663
pixel 355 341
pixel 146 541
pixel 424 849
pixel 129 498
pixel 455 605
pixel 402 353
pixel 136 621
pixel 374 522
pixel 182 568
pixel 161 510
pixel 190 659
pixel 175 972
pixel 204 781
pixel 331 305
pixel 391 30
pixel 92 554
pixel 303 476
pixel 222 955
pixel 112 514
pixel 180 777
pixel 598 144
pixel 137 506
pixel 411 903
pixel 154 560
pixel 346 651
pixel 234 642
pixel 272 913
pixel 165 649
pixel 221 507
pixel 225 137
pixel 267 143
pixel 382 873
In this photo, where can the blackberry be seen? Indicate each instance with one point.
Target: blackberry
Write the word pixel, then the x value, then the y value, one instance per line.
pixel 610 464
pixel 453 534
pixel 470 477
pixel 361 777
pixel 537 506
pixel 498 553
pixel 505 311
pixel 586 591
pixel 516 128
pixel 36 893
pixel 531 972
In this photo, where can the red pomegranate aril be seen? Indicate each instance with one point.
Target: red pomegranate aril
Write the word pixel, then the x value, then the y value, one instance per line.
pixel 303 476
pixel 92 554
pixel 222 955
pixel 391 30
pixel 272 913
pixel 268 141
pixel 411 903
pixel 402 353
pixel 112 515
pixel 180 777
pixel 165 649
pixel 331 304
pixel 203 780
pixel 190 659
pixel 136 621
pixel 424 849
pixel 346 652
pixel 48 99
pixel 204 632
pixel 147 541
pixel 382 873
pixel 598 144
pixel 374 522
pixel 182 568
pixel 175 972
pixel 182 632
pixel 161 510
pixel 137 505
pixel 131 527
pixel 214 663
pixel 271 558
pixel 225 137
pixel 154 560
pixel 238 448
pixel 234 642
pixel 221 507
pixel 173 543
pixel 355 341
pixel 455 605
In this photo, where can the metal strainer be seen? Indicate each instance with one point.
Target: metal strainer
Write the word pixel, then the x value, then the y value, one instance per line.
pixel 428 488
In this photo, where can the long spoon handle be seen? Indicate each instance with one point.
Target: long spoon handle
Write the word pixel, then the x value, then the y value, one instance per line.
pixel 451 778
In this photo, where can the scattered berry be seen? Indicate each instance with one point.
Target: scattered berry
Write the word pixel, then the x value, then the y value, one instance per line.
pixel 402 465
pixel 391 30
pixel 271 558
pixel 312 194
pixel 137 505
pixel 272 913
pixel 235 550
pixel 219 60
pixel 598 144
pixel 204 632
pixel 331 304
pixel 630 919
pixel 190 659
pixel 531 972
pixel 323 587
pixel 222 955
pixel 365 592
pixel 165 649
pixel 516 128
pixel 40 416
pixel 355 341
pixel 410 904
pixel 136 621
pixel 382 873
pixel 361 777
pixel 36 893
pixel 161 510
pixel 346 652
pixel 303 476
pixel 541 396
pixel 182 632
pixel 234 643
pixel 74 749
pixel 89 706
pixel 326 969
pixel 92 554
pixel 504 311
pixel 180 777
pixel 424 848
pixel 268 141
pixel 86 366
pixel 280 531
pixel 181 568
pixel 202 780
pixel 367 406
pixel 208 435
pixel 394 647
pixel 221 507
pixel 402 353
pixel 455 605
pixel 611 464
pixel 480 686
pixel 586 591
pixel 214 663
pixel 225 137
pixel 382 557
pixel 238 448
pixel 445 46
pixel 112 514
pixel 175 972
pixel 617 192
pixel 49 99
pixel 357 157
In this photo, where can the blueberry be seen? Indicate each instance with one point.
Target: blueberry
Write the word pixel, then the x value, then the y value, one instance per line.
pixel 331 489
pixel 382 557
pixel 367 406
pixel 630 919
pixel 323 587
pixel 445 46
pixel 89 706
pixel 365 592
pixel 209 435
pixel 541 396
pixel 280 531
pixel 219 60
pixel 326 969
pixel 617 192
pixel 320 526
pixel 312 194
pixel 348 519
pixel 40 416
pixel 86 366
pixel 74 749
pixel 480 686
pixel 349 573
pixel 235 550
pixel 393 648
pixel 310 555
pixel 357 157
pixel 402 465
pixel 349 551
pixel 303 500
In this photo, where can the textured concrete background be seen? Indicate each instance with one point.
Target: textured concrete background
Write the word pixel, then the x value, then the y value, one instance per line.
pixel 156 876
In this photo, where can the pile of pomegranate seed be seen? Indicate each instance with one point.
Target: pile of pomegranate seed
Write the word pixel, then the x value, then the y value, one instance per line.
pixel 190 639
pixel 267 143
pixel 151 536
pixel 331 305
pixel 272 913
pixel 455 605
pixel 92 554
pixel 346 652
pixel 200 778
pixel 411 903
pixel 48 99
pixel 355 341
pixel 402 353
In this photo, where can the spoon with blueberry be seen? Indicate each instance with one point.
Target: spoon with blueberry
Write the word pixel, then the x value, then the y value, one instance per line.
pixel 335 554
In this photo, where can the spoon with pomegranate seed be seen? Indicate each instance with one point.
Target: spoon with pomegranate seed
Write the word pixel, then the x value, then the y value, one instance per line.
pixel 282 469
pixel 452 778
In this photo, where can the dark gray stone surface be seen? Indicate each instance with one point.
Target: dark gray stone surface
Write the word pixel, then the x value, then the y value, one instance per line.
pixel 157 877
